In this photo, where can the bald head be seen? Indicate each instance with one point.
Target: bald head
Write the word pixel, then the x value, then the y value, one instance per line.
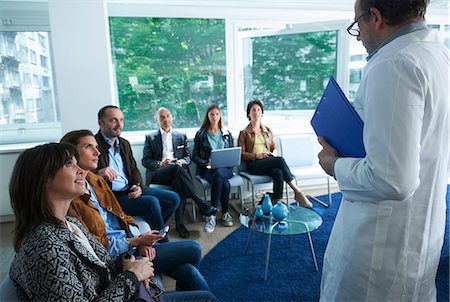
pixel 164 118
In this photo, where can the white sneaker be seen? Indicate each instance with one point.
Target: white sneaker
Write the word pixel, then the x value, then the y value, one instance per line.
pixel 210 224
pixel 227 219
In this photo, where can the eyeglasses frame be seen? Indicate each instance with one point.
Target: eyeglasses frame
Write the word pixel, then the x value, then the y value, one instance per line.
pixel 350 29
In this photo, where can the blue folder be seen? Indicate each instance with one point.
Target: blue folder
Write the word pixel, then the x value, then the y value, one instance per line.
pixel 337 121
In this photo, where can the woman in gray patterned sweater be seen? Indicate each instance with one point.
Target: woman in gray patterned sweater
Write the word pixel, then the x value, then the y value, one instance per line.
pixel 57 259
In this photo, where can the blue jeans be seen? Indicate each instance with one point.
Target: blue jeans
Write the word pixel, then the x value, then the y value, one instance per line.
pixel 188 296
pixel 180 261
pixel 154 205
pixel 220 187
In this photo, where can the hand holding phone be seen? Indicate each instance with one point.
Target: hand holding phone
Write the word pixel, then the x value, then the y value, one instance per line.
pixel 164 230
pixel 134 187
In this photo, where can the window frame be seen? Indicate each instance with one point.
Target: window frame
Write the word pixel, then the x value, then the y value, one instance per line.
pixel 287 28
pixel 35 20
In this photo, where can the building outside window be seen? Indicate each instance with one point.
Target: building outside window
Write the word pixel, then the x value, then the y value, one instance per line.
pixel 22 90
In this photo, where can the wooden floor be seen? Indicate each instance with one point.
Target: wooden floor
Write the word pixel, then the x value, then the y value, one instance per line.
pixel 206 240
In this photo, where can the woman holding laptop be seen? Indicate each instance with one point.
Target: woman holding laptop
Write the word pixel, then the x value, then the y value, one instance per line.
pixel 211 136
pixel 257 142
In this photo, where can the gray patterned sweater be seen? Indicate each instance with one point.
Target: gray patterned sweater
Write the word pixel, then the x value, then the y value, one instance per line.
pixel 52 265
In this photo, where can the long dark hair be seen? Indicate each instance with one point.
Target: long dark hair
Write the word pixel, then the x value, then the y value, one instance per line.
pixel 206 123
pixel 32 172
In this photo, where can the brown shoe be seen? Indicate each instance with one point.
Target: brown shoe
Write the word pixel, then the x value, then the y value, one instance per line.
pixel 303 200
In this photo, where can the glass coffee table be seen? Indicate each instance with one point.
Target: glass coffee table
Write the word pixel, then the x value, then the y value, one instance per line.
pixel 299 221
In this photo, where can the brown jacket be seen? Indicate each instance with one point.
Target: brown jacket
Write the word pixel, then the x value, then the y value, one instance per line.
pixel 89 216
pixel 246 141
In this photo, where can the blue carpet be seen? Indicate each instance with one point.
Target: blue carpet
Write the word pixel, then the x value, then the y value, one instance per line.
pixel 234 276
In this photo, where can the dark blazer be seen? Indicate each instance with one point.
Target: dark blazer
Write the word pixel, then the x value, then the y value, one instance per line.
pixel 131 170
pixel 202 148
pixel 51 265
pixel 153 149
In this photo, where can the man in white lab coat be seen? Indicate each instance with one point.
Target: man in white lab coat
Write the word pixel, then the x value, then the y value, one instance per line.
pixel 388 235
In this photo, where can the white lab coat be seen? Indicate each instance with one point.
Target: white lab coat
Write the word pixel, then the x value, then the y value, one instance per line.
pixel 388 235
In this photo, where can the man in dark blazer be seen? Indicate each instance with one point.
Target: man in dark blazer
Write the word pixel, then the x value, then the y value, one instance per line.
pixel 166 157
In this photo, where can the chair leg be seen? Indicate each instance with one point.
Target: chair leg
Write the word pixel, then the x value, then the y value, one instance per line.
pixel 287 192
pixel 329 191
pixel 194 214
pixel 241 198
pixel 253 195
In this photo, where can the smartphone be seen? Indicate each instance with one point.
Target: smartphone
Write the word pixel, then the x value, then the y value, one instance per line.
pixel 164 230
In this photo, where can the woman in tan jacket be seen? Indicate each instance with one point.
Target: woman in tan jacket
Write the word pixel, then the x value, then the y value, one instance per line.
pixel 257 143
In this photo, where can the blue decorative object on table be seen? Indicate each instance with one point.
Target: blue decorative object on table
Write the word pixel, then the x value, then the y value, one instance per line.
pixel 259 213
pixel 280 211
pixel 266 206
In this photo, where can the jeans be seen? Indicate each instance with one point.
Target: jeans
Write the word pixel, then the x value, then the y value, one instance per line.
pixel 180 261
pixel 188 296
pixel 220 187
pixel 275 167
pixel 154 205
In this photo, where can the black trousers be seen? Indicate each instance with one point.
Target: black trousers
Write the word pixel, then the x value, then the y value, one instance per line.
pixel 275 167
pixel 181 181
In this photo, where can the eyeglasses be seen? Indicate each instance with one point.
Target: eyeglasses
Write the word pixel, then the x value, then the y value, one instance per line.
pixel 353 29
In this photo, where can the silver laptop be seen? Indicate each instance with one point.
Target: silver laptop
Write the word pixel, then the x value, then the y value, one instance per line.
pixel 224 158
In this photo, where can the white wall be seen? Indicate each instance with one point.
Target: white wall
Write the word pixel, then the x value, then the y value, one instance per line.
pixel 82 56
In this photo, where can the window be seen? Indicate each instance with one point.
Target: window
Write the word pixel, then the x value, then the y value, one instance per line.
pixel 43 41
pixel 22 90
pixel 177 63
pixel 26 79
pixel 44 62
pixel 287 71
pixel 45 82
pixel 36 80
pixel 33 57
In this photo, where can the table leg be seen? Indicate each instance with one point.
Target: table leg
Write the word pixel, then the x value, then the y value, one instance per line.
pixel 248 240
pixel 312 251
pixel 267 256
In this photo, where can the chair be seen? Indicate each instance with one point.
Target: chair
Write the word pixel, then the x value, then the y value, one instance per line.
pixel 169 187
pixel 300 154
pixel 235 181
pixel 8 290
pixel 253 179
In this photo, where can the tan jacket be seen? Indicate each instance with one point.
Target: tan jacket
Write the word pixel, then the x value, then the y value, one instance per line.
pixel 246 141
pixel 89 216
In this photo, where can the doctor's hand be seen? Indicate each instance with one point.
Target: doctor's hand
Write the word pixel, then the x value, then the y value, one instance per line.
pixel 327 156
pixel 108 173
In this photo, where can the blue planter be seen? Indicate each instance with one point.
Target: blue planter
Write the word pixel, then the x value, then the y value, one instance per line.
pixel 266 206
pixel 259 213
pixel 280 211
